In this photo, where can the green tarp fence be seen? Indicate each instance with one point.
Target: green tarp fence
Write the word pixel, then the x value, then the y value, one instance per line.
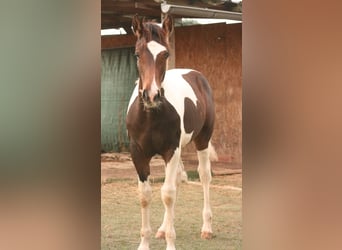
pixel 118 76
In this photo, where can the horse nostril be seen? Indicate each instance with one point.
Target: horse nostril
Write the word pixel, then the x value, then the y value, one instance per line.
pixel 157 96
pixel 145 95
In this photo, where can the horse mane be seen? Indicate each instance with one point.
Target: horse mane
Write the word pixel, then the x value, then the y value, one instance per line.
pixel 152 31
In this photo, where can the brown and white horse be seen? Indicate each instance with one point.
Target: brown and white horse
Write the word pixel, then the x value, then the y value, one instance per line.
pixel 167 110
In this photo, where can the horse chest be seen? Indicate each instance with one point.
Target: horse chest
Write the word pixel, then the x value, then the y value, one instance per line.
pixel 154 130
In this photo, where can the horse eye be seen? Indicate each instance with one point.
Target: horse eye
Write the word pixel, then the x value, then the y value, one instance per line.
pixel 166 55
pixel 137 55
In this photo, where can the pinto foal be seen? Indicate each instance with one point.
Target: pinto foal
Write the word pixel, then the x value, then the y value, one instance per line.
pixel 167 110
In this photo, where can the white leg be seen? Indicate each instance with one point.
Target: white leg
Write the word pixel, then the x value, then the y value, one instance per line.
pixel 145 191
pixel 181 177
pixel 181 174
pixel 204 170
pixel 161 230
pixel 168 194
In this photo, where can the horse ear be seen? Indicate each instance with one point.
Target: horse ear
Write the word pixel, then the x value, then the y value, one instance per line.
pixel 168 25
pixel 137 26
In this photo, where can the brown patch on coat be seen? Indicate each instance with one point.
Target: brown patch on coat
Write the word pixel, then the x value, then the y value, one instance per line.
pixel 151 132
pixel 199 119
pixel 167 200
pixel 193 121
pixel 143 202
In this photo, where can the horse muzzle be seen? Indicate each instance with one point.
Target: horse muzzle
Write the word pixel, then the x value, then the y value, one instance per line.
pixel 152 99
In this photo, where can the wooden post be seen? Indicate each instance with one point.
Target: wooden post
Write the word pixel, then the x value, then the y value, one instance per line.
pixel 172 58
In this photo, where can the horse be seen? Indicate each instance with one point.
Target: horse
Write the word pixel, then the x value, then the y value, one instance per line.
pixel 167 110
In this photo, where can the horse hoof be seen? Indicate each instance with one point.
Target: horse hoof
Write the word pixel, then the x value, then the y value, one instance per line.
pixel 143 248
pixel 206 235
pixel 160 235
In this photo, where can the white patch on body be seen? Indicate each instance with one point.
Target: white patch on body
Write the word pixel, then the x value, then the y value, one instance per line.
pixel 155 48
pixel 134 95
pixel 176 88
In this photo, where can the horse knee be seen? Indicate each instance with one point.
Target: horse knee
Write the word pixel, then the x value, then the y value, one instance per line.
pixel 145 193
pixel 168 195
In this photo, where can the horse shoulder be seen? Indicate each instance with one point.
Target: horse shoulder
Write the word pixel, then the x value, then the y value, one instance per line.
pixel 181 95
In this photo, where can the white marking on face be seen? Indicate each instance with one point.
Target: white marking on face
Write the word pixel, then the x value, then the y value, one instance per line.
pixel 154 87
pixel 155 48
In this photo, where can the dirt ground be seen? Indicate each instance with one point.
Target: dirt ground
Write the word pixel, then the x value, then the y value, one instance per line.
pixel 120 207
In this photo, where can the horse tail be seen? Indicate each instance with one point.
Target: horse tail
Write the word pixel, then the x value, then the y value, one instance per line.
pixel 212 153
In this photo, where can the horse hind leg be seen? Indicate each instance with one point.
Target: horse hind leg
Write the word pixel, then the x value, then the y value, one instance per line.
pixel 204 170
pixel 181 173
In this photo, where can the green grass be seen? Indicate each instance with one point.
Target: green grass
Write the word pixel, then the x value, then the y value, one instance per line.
pixel 112 180
pixel 121 216
pixel 192 175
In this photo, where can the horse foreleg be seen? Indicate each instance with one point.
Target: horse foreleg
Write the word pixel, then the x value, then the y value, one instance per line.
pixel 161 231
pixel 204 170
pixel 145 192
pixel 168 195
pixel 142 167
pixel 181 177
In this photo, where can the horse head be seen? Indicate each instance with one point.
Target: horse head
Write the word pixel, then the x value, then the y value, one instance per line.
pixel 152 52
